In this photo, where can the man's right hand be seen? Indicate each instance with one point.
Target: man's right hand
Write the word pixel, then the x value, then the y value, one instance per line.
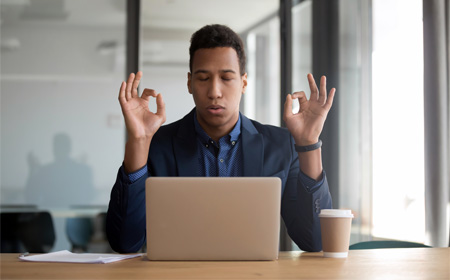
pixel 140 122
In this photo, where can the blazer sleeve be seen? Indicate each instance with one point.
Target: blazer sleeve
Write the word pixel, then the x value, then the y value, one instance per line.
pixel 300 208
pixel 125 220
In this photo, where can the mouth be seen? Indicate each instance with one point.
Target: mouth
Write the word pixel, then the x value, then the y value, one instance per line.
pixel 215 109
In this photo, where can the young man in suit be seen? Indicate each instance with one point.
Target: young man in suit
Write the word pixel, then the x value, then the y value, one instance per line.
pixel 215 139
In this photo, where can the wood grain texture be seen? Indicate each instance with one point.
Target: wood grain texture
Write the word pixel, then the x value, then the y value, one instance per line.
pixel 410 263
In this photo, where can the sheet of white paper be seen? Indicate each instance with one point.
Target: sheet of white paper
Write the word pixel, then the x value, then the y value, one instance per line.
pixel 66 256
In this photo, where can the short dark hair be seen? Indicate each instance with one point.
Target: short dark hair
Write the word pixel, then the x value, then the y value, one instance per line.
pixel 214 36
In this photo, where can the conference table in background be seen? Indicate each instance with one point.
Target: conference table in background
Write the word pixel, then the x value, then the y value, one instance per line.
pixel 58 225
pixel 410 263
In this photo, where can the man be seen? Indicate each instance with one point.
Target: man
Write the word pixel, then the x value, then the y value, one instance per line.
pixel 214 139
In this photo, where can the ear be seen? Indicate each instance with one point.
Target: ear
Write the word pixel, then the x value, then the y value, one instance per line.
pixel 244 83
pixel 189 81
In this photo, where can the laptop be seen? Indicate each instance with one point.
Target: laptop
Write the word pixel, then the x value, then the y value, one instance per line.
pixel 213 218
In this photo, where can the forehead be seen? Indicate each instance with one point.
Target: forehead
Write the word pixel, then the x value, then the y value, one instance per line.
pixel 215 59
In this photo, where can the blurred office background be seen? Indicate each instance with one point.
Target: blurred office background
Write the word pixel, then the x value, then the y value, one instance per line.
pixel 63 136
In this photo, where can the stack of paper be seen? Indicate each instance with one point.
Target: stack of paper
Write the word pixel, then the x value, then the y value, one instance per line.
pixel 66 256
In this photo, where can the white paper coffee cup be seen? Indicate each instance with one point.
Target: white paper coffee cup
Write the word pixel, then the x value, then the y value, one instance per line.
pixel 335 227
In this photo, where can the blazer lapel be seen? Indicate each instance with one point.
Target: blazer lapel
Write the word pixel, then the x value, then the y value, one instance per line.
pixel 252 149
pixel 185 147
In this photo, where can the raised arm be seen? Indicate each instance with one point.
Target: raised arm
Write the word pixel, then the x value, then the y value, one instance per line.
pixel 140 122
pixel 125 220
pixel 306 125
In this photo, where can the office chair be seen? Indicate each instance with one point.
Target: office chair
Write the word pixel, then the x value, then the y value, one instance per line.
pixel 10 243
pixel 379 244
pixel 79 232
pixel 27 231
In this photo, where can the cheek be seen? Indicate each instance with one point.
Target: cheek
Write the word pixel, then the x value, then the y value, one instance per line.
pixel 234 87
pixel 197 96
pixel 236 97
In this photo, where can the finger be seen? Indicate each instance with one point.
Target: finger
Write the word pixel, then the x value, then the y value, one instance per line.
pixel 288 107
pixel 122 98
pixel 301 96
pixel 313 87
pixel 137 80
pixel 160 107
pixel 330 99
pixel 323 90
pixel 129 85
pixel 148 93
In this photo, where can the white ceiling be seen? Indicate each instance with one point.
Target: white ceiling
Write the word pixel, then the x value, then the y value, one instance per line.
pixel 192 14
pixel 186 15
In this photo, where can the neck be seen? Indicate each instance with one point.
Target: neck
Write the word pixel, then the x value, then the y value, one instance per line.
pixel 217 132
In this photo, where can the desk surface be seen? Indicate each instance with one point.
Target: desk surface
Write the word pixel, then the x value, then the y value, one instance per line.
pixel 88 211
pixel 411 263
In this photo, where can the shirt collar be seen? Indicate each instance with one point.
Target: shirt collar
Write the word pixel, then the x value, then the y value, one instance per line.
pixel 234 134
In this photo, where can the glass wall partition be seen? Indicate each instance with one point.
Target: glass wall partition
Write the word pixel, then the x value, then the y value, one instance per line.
pixel 301 51
pixel 355 114
pixel 398 170
pixel 353 93
pixel 301 46
pixel 262 99
pixel 62 137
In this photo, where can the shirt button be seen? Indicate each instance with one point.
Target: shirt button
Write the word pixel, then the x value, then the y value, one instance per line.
pixel 221 160
pixel 212 142
pixel 232 143
pixel 206 145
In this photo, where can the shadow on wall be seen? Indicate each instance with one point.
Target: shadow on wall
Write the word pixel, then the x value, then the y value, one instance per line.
pixel 61 183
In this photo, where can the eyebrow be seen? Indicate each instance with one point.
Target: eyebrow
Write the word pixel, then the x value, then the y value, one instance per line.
pixel 222 71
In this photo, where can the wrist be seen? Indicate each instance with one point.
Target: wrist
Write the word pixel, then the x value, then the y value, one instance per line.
pixel 139 139
pixel 306 141
pixel 308 148
pixel 136 154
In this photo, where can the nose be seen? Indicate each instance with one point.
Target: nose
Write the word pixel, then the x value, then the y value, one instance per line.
pixel 214 90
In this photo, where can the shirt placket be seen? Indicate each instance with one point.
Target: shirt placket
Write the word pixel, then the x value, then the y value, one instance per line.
pixel 222 157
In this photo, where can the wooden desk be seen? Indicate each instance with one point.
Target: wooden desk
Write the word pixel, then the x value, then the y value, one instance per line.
pixel 414 263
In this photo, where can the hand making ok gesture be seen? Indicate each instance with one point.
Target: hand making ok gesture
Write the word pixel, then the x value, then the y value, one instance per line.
pixel 140 122
pixel 307 124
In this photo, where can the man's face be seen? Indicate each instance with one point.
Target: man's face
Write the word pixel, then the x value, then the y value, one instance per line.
pixel 217 86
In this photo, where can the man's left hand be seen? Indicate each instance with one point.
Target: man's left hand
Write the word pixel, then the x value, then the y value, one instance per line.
pixel 306 125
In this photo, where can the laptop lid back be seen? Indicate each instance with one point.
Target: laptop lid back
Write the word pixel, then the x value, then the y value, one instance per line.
pixel 213 218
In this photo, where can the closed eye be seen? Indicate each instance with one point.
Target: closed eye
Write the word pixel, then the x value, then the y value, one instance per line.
pixel 202 77
pixel 227 78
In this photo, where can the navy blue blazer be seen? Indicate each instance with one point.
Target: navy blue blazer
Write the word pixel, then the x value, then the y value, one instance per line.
pixel 268 151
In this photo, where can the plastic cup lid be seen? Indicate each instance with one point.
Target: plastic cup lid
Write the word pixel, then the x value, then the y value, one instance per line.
pixel 338 213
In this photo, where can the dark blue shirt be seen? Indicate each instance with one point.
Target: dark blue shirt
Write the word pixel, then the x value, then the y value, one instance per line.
pixel 223 158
